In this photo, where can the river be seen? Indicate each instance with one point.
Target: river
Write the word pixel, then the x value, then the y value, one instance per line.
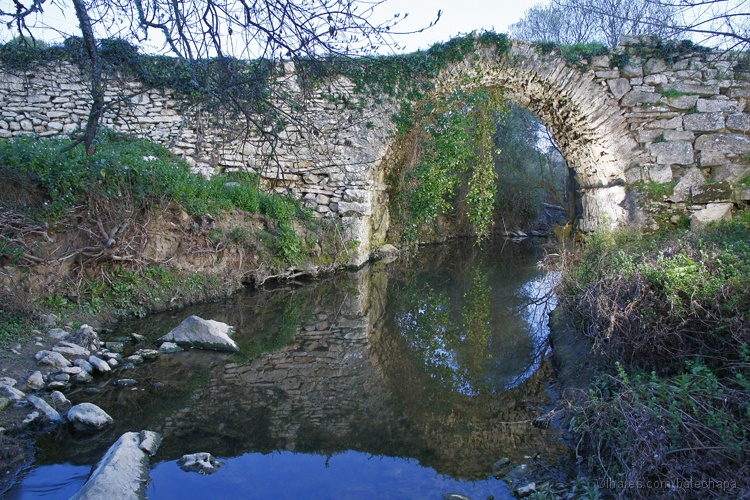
pixel 413 379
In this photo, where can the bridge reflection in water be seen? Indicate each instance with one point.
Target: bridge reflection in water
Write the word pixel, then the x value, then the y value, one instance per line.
pixel 438 359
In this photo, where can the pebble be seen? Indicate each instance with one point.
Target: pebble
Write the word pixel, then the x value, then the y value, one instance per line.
pixel 31 417
pixel 125 382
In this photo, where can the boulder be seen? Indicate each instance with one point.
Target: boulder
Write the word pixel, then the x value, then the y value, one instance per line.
pixel 84 365
pixel 200 333
pixel 203 463
pixel 45 409
pixel 86 337
pixel 52 358
pixel 123 471
pixel 88 417
pixel 58 333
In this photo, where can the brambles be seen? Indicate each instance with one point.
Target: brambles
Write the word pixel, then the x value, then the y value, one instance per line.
pixel 671 316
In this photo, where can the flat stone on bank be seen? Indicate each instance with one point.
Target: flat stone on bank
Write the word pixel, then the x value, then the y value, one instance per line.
pixel 200 333
pixel 123 471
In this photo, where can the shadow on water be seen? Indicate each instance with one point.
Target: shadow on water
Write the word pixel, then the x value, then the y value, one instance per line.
pixel 401 380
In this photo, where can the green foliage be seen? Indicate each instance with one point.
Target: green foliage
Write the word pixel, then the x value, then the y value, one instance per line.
pixel 654 190
pixel 691 426
pixel 199 78
pixel 672 93
pixel 14 326
pixel 459 142
pixel 134 168
pixel 290 246
pixel 579 54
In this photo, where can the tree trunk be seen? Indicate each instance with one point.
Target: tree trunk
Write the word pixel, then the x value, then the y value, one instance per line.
pixel 97 88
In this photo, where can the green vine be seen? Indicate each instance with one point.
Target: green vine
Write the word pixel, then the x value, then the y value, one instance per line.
pixel 457 151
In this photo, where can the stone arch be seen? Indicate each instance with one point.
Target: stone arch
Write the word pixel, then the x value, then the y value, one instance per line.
pixel 584 118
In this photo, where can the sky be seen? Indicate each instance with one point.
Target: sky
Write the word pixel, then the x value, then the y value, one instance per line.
pixel 458 17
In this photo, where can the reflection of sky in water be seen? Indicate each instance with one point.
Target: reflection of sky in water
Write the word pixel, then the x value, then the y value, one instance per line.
pixel 541 299
pixel 440 339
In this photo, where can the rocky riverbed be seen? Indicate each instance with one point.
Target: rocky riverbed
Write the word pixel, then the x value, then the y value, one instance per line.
pixel 36 376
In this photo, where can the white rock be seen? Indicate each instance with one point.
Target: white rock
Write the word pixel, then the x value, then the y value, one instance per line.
pixel 59 401
pixel 123 471
pixel 52 358
pixel 202 334
pixel 71 349
pixel 712 213
pixel 203 462
pixel 88 416
pixel 13 393
pixel 99 364
pixel 50 413
pixel 35 381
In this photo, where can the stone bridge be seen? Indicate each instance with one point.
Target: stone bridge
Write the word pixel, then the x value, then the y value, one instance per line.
pixel 621 122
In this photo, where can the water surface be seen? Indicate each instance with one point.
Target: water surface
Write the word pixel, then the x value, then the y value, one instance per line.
pixel 406 380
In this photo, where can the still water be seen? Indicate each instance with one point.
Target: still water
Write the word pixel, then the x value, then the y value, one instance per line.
pixel 401 380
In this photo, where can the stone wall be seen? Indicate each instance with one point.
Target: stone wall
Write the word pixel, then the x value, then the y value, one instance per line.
pixel 683 121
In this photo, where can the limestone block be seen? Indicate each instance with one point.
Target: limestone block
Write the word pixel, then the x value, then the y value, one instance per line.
pixel 691 180
pixel 732 172
pixel 683 101
pixel 713 193
pixel 660 173
pixel 743 91
pixel 693 88
pixel 672 123
pixel 672 153
pixel 657 79
pixel 607 74
pixel 654 65
pixel 632 70
pixel 704 122
pixel 649 135
pixel 638 97
pixel 714 105
pixel 723 143
pixel 713 212
pixel 712 158
pixel 619 87
pixel 679 135
pixel 354 208
pixel 739 122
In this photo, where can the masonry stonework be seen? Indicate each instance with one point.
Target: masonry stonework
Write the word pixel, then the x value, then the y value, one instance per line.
pixel 683 121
